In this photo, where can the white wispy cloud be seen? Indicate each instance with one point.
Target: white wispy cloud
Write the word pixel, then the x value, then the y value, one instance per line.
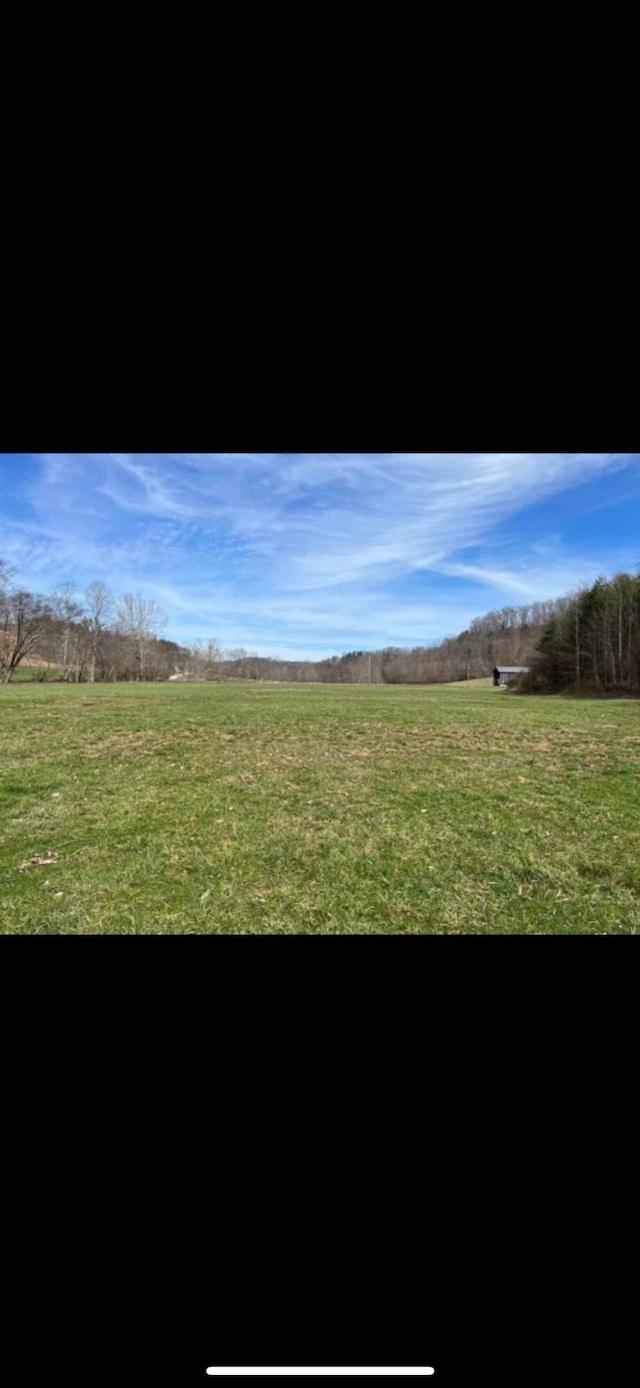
pixel 529 579
pixel 423 507
pixel 308 550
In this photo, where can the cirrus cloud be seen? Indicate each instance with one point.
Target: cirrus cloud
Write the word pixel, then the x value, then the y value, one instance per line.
pixel 310 553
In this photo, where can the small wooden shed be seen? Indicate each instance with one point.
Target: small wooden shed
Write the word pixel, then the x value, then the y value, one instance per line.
pixel 506 674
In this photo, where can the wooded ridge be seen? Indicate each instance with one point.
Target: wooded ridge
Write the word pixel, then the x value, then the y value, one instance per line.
pixel 587 641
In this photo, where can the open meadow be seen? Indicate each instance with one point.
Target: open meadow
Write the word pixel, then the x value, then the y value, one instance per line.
pixel 278 809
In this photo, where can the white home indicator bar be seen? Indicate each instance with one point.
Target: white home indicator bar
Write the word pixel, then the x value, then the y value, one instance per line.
pixel 336 1373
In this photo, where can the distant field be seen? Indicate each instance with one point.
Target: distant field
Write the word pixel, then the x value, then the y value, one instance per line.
pixel 203 809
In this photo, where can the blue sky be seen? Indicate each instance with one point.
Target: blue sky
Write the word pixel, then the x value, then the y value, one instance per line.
pixel 311 554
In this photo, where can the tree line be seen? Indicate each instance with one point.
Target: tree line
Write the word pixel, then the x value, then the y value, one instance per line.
pixel 588 641
pixel 78 636
pixel 505 637
pixel 592 646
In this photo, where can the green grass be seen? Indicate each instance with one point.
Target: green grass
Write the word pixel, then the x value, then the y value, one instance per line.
pixel 200 809
pixel 30 674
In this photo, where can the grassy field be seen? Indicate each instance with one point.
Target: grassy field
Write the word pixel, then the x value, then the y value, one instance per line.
pixel 202 809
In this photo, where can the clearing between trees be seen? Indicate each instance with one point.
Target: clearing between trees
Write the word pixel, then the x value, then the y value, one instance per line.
pixel 276 809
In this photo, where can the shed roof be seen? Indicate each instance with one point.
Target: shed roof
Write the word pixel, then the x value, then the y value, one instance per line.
pixel 512 669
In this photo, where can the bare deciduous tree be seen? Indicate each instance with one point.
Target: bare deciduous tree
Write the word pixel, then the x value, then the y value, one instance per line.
pixel 99 607
pixel 24 618
pixel 69 612
pixel 141 620
pixel 214 658
pixel 7 574
pixel 204 659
